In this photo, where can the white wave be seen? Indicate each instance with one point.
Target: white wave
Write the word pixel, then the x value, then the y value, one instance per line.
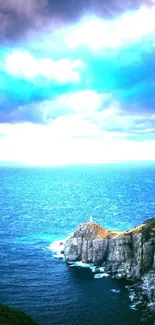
pixel 91 266
pixel 66 207
pixel 98 206
pixel 132 296
pixel 115 290
pixel 133 306
pixel 101 275
pixel 95 269
pixel 151 304
pixel 102 269
pixel 57 247
pixel 82 264
pixel 58 255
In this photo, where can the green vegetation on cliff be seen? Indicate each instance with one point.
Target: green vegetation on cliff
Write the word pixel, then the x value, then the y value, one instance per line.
pixel 9 316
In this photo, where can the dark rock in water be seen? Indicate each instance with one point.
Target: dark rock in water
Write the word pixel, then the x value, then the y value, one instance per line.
pixel 147 284
pixel 96 269
pixel 61 243
pixel 9 316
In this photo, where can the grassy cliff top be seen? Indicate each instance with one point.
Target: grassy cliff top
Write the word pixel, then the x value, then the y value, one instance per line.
pixel 94 230
pixel 147 227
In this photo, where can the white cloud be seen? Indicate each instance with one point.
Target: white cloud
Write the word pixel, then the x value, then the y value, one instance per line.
pixel 75 126
pixel 22 64
pixel 86 101
pixel 83 103
pixel 89 114
pixel 98 34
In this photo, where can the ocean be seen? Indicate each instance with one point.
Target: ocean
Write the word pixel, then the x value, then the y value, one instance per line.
pixel 39 207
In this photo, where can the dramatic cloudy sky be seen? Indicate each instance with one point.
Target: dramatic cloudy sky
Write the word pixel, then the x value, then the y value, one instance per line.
pixel 77 81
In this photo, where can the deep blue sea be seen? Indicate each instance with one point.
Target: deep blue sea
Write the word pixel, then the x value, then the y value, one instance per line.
pixel 39 206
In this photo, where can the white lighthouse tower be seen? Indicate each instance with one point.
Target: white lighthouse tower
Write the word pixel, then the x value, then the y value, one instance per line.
pixel 91 219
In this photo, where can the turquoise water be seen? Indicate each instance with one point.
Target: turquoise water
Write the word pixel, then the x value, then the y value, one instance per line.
pixel 39 206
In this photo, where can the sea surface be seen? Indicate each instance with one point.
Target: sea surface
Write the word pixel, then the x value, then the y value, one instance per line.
pixel 41 206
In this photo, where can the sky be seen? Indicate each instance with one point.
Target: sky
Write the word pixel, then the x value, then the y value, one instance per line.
pixel 77 81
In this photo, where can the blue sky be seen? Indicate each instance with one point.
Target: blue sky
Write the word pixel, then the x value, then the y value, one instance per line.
pixel 77 88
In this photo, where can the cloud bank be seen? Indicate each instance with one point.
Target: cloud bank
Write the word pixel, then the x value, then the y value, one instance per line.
pixel 82 76
pixel 19 17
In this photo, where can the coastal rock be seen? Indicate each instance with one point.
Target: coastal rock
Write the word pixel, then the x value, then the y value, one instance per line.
pixel 128 254
pixel 148 285
pixel 154 261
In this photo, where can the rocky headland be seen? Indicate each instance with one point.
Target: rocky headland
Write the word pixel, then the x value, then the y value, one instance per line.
pixel 129 254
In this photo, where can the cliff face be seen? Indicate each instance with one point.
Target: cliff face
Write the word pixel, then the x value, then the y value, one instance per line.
pixel 128 254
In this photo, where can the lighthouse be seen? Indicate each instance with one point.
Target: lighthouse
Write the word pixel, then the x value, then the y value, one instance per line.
pixel 91 219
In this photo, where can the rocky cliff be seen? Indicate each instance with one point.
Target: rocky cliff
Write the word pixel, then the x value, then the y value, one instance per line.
pixel 128 254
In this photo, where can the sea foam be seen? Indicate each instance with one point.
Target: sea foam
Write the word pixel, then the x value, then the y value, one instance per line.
pixel 57 247
pixel 82 264
pixel 101 275
pixel 95 269
pixel 115 290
